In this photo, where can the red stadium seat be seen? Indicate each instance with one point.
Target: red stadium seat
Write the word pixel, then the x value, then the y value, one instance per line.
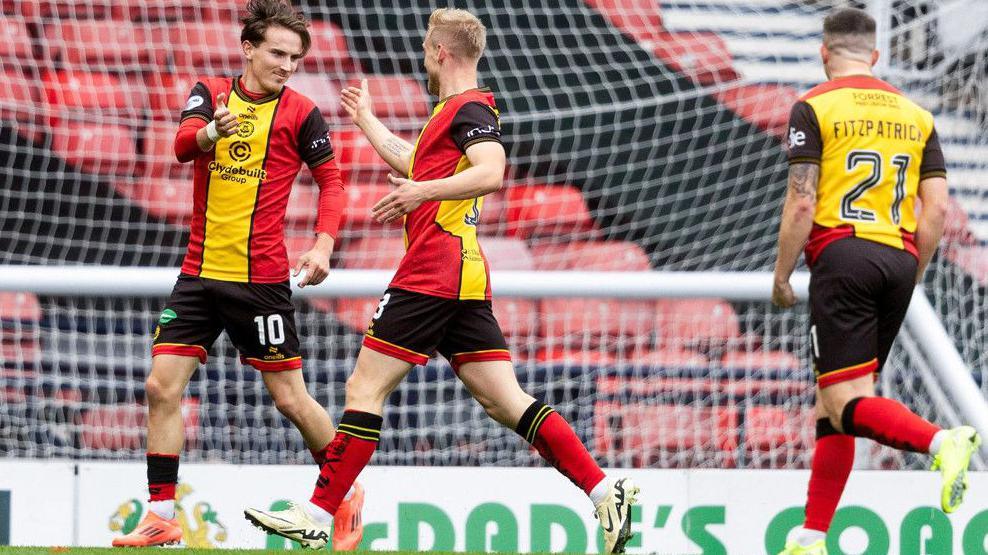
pixel 518 317
pixel 561 355
pixel 399 98
pixel 202 47
pixel 167 94
pixel 122 426
pixel 613 324
pixel 492 219
pixel 19 307
pixel 78 95
pixel 224 11
pixel 158 155
pixel 771 432
pixel 155 10
pixel 671 358
pixel 105 149
pixel 703 57
pixel 104 44
pixel 20 97
pixel 695 322
pixel 168 199
pixel 324 92
pixel 645 435
pixel 329 53
pixel 358 161
pixel 64 9
pixel 766 106
pixel 368 253
pixel 546 210
pixel 639 19
pixel 361 197
pixel 596 256
pixel 303 207
pixel 507 254
pixel 16 44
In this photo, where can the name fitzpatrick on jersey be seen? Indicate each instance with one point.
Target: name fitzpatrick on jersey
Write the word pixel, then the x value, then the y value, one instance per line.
pixel 878 128
pixel 237 173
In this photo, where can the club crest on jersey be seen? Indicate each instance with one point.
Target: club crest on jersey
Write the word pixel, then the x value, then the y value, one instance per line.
pixel 246 129
pixel 240 151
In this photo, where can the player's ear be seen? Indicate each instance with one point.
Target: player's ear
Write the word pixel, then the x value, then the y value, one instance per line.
pixel 874 57
pixel 248 49
pixel 824 53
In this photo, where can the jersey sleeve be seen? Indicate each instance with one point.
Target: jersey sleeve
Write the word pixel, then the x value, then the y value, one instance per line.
pixel 475 123
pixel 314 146
pixel 933 164
pixel 805 145
pixel 200 104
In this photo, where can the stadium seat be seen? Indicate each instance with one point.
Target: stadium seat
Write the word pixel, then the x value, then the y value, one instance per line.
pixel 122 426
pixel 83 96
pixel 698 323
pixel 639 19
pixel 585 357
pixel 17 308
pixel 202 47
pixel 518 317
pixel 167 94
pixel 158 153
pixel 771 432
pixel 157 10
pixel 762 360
pixel 303 205
pixel 507 254
pixel 587 322
pixel 591 256
pixel 64 9
pixel 104 149
pixel 668 358
pixel 16 43
pixel 546 211
pixel 223 11
pixel 376 253
pixel 104 44
pixel 329 54
pixel 399 98
pixel 703 57
pixel 764 105
pixel 361 197
pixel 358 161
pixel 645 435
pixel 20 97
pixel 167 199
pixel 325 93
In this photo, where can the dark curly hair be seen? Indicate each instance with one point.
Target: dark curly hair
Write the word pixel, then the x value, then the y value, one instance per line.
pixel 262 14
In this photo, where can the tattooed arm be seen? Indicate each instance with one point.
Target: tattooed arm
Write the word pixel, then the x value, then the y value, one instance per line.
pixel 396 151
pixel 797 221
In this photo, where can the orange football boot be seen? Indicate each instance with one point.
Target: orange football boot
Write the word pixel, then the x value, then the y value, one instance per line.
pixel 152 531
pixel 348 524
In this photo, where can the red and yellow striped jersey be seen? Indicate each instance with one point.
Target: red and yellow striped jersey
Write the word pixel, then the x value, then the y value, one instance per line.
pixel 873 146
pixel 443 257
pixel 241 187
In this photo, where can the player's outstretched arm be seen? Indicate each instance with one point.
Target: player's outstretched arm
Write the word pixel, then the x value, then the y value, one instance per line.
pixel 932 217
pixel 396 151
pixel 794 230
pixel 315 262
pixel 485 175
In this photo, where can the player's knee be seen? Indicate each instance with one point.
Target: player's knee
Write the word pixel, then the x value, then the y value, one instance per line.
pixel 359 391
pixel 159 393
pixel 289 406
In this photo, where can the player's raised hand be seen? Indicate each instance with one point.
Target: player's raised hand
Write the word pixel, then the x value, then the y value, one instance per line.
pixel 315 264
pixel 406 197
pixel 356 101
pixel 226 122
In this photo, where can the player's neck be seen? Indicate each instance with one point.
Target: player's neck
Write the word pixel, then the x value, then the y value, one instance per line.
pixel 850 70
pixel 250 85
pixel 456 83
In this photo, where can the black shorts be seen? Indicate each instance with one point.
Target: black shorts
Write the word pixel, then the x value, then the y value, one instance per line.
pixel 412 326
pixel 258 317
pixel 859 293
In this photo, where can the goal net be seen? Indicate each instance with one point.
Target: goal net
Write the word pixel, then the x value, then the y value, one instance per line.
pixel 641 135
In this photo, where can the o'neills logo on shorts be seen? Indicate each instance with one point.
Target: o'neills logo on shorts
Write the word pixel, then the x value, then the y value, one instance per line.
pixel 238 174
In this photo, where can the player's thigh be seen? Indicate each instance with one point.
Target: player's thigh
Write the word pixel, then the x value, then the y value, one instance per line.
pixel 285 386
pixel 170 375
pixel 900 268
pixel 188 325
pixel 374 377
pixel 495 386
pixel 473 335
pixel 836 396
pixel 260 320
pixel 843 316
pixel 408 326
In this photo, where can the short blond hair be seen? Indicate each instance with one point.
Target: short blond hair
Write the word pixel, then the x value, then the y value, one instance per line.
pixel 460 31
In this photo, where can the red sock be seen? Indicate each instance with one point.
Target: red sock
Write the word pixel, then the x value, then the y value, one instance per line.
pixel 888 422
pixel 554 439
pixel 348 454
pixel 320 456
pixel 162 476
pixel 833 458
